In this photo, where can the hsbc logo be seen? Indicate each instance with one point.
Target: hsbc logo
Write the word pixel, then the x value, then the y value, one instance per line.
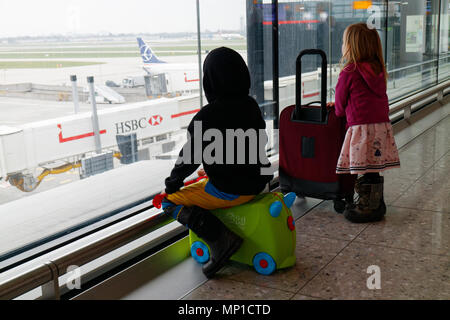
pixel 136 124
pixel 155 120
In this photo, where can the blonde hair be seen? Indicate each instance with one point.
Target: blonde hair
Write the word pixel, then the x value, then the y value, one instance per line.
pixel 363 45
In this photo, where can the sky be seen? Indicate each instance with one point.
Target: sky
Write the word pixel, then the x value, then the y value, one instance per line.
pixel 43 17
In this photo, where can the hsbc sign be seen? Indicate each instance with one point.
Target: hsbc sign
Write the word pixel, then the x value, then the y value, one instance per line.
pixel 136 124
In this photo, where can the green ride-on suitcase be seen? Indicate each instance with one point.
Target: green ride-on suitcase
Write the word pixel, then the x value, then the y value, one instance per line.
pixel 268 228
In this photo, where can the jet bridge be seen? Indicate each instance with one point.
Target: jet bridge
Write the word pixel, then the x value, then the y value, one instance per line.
pixel 70 139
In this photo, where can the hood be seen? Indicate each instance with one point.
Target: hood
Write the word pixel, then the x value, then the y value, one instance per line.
pixel 225 74
pixel 375 82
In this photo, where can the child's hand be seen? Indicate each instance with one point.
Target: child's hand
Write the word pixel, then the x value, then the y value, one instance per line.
pixel 158 199
pixel 330 104
pixel 201 173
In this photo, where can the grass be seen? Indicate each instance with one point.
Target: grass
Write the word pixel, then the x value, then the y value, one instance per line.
pixel 44 64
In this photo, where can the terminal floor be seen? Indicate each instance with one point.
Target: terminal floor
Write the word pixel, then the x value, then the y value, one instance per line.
pixel 411 246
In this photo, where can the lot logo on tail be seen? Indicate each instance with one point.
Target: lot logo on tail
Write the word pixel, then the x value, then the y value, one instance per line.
pixel 147 54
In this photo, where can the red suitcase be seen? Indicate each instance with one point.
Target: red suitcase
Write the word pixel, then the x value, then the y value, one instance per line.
pixel 311 138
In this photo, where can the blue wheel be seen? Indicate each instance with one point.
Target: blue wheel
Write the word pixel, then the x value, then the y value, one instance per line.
pixel 200 252
pixel 264 263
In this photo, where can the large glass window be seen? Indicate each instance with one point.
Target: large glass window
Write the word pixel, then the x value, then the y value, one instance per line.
pixel 62 165
pixel 303 25
pixel 343 14
pixel 67 163
pixel 412 54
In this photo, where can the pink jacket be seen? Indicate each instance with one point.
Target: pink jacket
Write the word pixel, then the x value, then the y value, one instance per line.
pixel 361 95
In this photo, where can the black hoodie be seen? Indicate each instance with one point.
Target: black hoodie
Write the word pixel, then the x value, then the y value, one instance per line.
pixel 226 83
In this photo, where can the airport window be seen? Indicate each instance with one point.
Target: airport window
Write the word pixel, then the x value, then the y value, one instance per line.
pixel 60 149
pixel 52 147
pixel 444 44
pixel 412 40
pixel 161 138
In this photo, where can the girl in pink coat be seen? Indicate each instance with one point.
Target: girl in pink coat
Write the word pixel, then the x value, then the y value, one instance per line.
pixel 369 145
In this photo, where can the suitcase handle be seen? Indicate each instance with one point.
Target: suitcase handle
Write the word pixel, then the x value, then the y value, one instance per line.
pixel 309 103
pixel 298 76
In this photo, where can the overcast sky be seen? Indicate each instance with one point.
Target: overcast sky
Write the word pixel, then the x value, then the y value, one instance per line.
pixel 41 17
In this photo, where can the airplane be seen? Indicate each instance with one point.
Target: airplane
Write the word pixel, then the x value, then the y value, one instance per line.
pixel 178 76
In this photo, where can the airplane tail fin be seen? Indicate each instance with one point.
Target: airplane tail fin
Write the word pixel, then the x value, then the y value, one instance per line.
pixel 146 53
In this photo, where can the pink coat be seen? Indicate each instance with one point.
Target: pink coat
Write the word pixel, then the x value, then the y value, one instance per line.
pixel 361 95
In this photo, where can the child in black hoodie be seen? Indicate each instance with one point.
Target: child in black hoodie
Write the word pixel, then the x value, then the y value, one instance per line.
pixel 235 175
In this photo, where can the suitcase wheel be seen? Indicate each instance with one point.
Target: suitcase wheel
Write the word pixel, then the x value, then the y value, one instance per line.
pixel 200 252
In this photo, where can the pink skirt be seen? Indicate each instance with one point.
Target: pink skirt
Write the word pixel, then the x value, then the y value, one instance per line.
pixel 368 148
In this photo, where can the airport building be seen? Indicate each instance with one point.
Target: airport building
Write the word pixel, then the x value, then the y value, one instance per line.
pixel 95 109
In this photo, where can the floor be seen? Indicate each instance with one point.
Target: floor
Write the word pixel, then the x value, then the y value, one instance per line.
pixel 410 248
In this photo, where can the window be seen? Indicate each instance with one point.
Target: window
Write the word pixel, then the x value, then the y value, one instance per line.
pixel 59 163
pixel 412 54
pixel 444 44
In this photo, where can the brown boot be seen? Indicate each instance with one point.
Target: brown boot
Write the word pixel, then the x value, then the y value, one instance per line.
pixel 370 206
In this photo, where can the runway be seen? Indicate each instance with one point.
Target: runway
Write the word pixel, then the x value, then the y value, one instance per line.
pixel 17 111
pixel 114 69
